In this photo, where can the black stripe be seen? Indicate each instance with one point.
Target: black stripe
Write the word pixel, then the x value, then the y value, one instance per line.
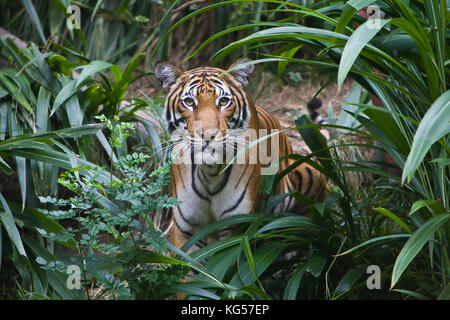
pixel 217 81
pixel 178 120
pixel 184 218
pixel 171 127
pixel 288 179
pixel 241 197
pixel 244 110
pixel 240 124
pixel 194 83
pixel 321 191
pixel 273 125
pixel 310 182
pixel 194 187
pixel 185 232
pixel 300 180
pixel 203 179
pixel 240 106
pixel 285 143
pixel 242 175
pixel 262 117
pixel 216 173
pixel 223 182
pixel 168 117
pixel 180 212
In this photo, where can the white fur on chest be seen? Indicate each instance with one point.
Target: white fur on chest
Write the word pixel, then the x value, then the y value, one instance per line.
pixel 207 198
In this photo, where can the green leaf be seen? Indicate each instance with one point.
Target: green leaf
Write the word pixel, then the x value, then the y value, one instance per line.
pixel 392 216
pixel 413 246
pixel 57 280
pixel 373 240
pixel 434 125
pixel 221 224
pixel 263 258
pixel 90 69
pixel 67 91
pixel 7 220
pixel 345 118
pixel 290 293
pixel 5 166
pixel 26 140
pixel 287 51
pixel 193 290
pixel 34 219
pixel 74 112
pixel 193 264
pixel 348 280
pixel 347 13
pixel 97 6
pixel 20 162
pixel 146 256
pixel 359 4
pixel 412 294
pixel 36 59
pixel 252 62
pixel 355 44
pixel 245 244
pixel 291 222
pixel 419 204
pixel 214 247
pixel 42 107
pixel 316 263
pixel 390 131
pixel 442 162
pixel 3 92
pixel 14 90
pixel 5 108
pixel 220 262
pixel 31 10
pixel 445 294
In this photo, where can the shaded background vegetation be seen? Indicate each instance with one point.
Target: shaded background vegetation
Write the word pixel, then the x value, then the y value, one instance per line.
pixel 78 133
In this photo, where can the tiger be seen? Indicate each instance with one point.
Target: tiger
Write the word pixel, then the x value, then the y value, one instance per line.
pixel 216 189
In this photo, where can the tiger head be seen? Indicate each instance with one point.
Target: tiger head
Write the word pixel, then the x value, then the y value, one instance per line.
pixel 207 110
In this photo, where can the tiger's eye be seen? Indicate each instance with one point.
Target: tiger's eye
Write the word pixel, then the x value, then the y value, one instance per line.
pixel 224 101
pixel 189 101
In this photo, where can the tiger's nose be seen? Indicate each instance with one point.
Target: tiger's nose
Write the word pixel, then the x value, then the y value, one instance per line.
pixel 208 134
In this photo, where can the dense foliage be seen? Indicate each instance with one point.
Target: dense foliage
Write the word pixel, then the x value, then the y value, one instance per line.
pixel 84 178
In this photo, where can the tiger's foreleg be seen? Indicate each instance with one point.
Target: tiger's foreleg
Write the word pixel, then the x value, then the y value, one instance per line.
pixel 179 238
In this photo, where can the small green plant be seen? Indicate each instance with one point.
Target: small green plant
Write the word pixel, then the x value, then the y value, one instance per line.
pixel 113 226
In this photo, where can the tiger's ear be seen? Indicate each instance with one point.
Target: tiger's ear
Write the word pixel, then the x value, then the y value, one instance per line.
pixel 167 73
pixel 241 72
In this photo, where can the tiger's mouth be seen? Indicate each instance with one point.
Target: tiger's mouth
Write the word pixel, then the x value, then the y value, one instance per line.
pixel 220 150
pixel 209 152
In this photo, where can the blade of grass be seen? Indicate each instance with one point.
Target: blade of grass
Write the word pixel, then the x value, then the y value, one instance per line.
pixel 358 40
pixel 415 244
pixel 31 10
pixel 9 224
pixel 434 125
pixel 393 217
